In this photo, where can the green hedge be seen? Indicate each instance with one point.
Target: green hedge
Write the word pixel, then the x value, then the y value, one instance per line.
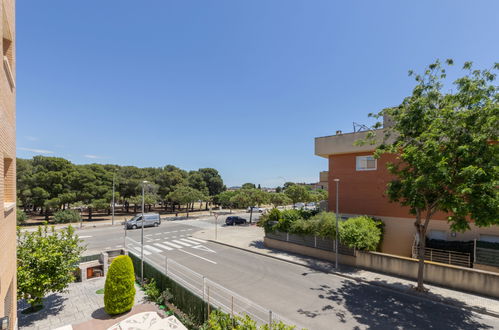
pixel 184 299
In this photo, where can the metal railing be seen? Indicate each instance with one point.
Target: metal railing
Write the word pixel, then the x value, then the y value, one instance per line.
pixel 444 256
pixel 212 293
pixel 311 241
pixel 487 256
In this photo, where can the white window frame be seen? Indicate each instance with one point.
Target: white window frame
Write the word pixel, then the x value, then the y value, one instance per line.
pixel 358 160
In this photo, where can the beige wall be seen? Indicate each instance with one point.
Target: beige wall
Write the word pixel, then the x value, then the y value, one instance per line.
pixel 8 164
pixel 460 278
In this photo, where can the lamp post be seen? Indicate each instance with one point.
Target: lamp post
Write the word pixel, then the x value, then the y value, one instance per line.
pixel 337 229
pixel 112 217
pixel 142 236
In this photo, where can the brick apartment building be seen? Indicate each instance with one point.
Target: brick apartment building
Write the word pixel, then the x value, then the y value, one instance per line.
pixel 362 189
pixel 8 166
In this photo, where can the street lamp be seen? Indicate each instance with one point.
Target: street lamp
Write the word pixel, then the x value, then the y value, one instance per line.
pixel 142 236
pixel 112 217
pixel 337 230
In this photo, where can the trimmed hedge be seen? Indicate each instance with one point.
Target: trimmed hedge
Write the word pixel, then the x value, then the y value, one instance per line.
pixel 67 216
pixel 119 291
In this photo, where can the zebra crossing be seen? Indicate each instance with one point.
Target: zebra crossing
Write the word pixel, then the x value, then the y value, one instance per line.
pixel 166 244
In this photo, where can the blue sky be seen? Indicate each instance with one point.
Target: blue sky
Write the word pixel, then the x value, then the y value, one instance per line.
pixel 241 86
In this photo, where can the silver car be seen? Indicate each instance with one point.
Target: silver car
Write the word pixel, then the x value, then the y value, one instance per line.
pixel 150 220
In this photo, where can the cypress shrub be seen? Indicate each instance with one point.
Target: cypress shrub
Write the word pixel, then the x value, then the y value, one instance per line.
pixel 119 291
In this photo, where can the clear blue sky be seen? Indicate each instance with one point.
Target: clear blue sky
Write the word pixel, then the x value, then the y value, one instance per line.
pixel 241 86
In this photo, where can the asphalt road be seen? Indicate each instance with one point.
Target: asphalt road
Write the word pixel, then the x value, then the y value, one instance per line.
pixel 311 299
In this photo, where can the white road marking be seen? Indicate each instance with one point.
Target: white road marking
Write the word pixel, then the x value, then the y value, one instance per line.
pixel 152 248
pixel 163 246
pixel 204 248
pixel 195 255
pixel 84 236
pixel 190 242
pixel 180 242
pixel 173 231
pixel 173 244
pixel 119 246
pixel 174 236
pixel 107 248
pixel 197 239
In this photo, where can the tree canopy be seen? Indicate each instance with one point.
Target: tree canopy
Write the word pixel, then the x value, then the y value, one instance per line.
pixel 447 150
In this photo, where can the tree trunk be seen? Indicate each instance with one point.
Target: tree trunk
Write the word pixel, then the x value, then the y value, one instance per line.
pixel 251 213
pixel 421 228
pixel 46 214
pixel 187 210
pixel 89 213
pixel 127 207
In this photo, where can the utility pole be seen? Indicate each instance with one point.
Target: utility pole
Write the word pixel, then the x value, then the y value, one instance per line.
pixel 337 214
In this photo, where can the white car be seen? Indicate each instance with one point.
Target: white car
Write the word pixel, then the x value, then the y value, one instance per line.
pixel 299 205
pixel 255 209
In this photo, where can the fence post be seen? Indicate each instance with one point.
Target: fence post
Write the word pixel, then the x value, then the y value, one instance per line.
pixel 431 254
pixel 232 306
pixel 450 259
pixel 208 301
pixel 270 318
pixel 474 250
pixel 166 266
pixel 315 242
pixel 287 236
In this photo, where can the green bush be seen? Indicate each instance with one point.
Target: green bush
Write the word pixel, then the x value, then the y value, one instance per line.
pixel 324 225
pixel 152 292
pixel 222 321
pixel 67 216
pixel 119 291
pixel 361 233
pixel 21 217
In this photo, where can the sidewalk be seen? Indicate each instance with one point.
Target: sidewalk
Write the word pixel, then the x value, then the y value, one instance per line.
pixel 79 304
pixel 250 238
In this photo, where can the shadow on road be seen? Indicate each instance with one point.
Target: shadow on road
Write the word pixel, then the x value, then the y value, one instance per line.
pixel 378 308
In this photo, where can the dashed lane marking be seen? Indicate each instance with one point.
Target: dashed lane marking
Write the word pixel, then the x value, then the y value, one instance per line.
pixel 152 248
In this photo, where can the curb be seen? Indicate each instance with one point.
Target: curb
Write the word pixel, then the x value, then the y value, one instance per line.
pixel 359 280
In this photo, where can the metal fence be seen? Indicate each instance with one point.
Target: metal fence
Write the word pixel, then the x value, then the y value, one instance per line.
pixel 444 256
pixel 214 294
pixel 311 241
pixel 486 256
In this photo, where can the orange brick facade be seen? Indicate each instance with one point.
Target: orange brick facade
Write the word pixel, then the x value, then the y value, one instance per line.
pixel 8 165
pixel 363 193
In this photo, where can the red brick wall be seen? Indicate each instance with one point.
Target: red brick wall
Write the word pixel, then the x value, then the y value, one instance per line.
pixel 363 192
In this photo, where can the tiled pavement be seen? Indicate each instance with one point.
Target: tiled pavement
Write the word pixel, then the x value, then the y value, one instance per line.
pixel 79 304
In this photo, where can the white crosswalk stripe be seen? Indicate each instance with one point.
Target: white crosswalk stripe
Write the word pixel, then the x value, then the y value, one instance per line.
pixel 152 248
pixel 189 241
pixel 163 246
pixel 197 240
pixel 180 242
pixel 173 244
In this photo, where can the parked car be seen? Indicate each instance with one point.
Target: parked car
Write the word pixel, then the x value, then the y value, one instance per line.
pixel 235 220
pixel 299 205
pixel 150 220
pixel 255 209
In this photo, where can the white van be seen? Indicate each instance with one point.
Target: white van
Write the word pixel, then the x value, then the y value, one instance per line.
pixel 150 220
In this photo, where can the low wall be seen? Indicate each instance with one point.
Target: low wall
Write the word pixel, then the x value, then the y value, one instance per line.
pixel 308 251
pixel 459 278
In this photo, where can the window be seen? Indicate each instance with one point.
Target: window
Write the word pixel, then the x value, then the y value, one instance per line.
pixel 366 163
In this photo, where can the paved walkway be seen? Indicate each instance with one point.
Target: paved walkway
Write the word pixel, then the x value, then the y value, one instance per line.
pixel 250 238
pixel 79 304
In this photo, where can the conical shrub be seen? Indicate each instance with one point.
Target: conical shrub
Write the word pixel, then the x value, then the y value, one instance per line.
pixel 119 291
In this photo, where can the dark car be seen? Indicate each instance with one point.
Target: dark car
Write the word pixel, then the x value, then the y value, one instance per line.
pixel 234 221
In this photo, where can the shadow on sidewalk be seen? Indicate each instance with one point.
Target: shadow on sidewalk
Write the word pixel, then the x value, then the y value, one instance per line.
pixel 53 305
pixel 378 308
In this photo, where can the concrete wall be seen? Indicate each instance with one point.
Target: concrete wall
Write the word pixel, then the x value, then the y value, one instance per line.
pixel 8 301
pixel 308 251
pixel 459 278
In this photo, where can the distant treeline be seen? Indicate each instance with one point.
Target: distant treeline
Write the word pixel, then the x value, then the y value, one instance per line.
pixel 48 184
